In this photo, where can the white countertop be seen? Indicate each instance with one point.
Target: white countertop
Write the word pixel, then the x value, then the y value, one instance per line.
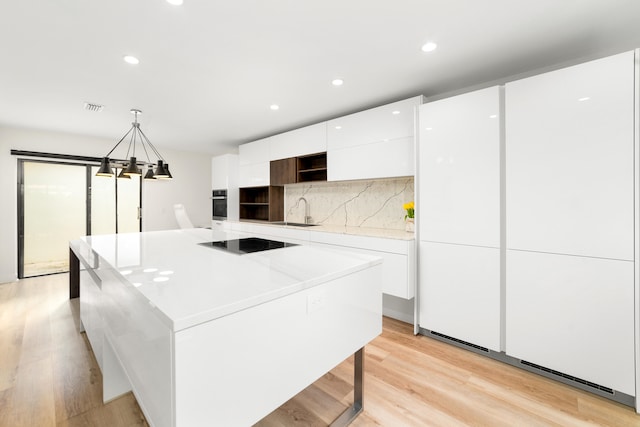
pixel 191 284
pixel 386 233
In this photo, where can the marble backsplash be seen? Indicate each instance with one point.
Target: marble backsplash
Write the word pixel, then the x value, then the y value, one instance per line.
pixel 374 203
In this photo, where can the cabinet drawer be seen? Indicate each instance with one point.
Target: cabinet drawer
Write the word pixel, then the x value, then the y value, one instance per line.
pixel 365 242
pixel 395 271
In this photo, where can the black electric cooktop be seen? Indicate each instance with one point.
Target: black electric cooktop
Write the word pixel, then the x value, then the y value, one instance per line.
pixel 247 245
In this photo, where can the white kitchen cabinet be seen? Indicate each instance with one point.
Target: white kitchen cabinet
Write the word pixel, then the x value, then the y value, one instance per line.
pixel 254 175
pixel 383 159
pixel 574 315
pixel 459 158
pixel 459 217
pixel 375 143
pixel 224 172
pixel 398 267
pixel 90 315
pixel 570 221
pixel 254 152
pixel 570 159
pixel 299 142
pixel 460 292
pixel 387 122
pixel 224 176
pixel 253 160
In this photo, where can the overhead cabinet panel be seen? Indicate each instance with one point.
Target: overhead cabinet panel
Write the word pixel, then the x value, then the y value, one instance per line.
pixel 569 160
pixel 384 159
pixel 254 152
pixel 299 142
pixel 391 121
pixel 254 175
pixel 459 149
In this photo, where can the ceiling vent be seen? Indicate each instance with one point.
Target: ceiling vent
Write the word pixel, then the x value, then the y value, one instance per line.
pixel 93 107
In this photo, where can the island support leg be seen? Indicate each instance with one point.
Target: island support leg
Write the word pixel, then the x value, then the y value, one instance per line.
pixel 74 275
pixel 354 410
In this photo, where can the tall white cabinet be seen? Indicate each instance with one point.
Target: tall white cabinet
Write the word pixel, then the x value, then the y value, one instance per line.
pixel 459 217
pixel 528 228
pixel 224 176
pixel 570 221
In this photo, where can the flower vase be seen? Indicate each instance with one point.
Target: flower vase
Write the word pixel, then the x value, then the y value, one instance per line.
pixel 410 225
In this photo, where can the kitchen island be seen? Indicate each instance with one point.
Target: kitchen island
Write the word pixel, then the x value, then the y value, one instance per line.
pixel 206 336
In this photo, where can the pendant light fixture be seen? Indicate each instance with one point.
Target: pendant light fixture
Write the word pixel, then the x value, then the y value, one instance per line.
pixel 133 167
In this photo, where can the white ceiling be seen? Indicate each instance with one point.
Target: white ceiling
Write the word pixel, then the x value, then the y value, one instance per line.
pixel 210 69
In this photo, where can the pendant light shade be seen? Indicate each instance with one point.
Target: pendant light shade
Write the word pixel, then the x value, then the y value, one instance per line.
pixel 161 172
pixel 122 175
pixel 149 174
pixel 105 168
pixel 133 167
pixel 166 168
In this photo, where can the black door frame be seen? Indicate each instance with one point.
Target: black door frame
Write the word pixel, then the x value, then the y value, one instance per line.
pixel 87 163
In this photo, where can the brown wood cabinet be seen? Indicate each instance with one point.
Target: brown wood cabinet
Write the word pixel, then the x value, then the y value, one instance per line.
pixel 262 203
pixel 312 167
pixel 283 171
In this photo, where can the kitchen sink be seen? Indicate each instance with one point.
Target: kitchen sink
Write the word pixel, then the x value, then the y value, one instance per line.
pixel 294 224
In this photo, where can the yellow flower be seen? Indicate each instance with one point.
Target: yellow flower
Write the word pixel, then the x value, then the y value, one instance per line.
pixel 410 208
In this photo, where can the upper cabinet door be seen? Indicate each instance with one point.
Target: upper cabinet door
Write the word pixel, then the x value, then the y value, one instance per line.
pixel 391 121
pixel 219 172
pixel 459 169
pixel 569 160
pixel 254 152
pixel 299 142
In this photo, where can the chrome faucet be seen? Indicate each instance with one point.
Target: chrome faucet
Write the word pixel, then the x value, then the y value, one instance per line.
pixel 307 218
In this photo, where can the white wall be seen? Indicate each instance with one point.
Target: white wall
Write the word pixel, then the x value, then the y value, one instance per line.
pixel 191 185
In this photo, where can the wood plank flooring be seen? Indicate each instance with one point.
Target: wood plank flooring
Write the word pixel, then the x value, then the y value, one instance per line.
pixel 49 377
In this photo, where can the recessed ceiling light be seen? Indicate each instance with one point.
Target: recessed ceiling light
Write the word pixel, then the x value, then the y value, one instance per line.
pixel 493 116
pixel 395 112
pixel 131 60
pixel 584 98
pixel 337 82
pixel 429 47
pixel 338 127
pixel 274 107
pixel 175 2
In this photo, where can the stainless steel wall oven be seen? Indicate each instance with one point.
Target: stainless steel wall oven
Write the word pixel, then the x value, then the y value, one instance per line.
pixel 219 200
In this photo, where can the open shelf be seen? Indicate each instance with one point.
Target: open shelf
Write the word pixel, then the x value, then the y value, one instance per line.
pixel 312 167
pixel 262 203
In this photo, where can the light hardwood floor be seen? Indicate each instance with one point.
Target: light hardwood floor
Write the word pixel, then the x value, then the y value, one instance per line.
pixel 49 377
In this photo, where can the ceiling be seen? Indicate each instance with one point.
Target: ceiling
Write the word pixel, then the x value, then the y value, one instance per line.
pixel 210 69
